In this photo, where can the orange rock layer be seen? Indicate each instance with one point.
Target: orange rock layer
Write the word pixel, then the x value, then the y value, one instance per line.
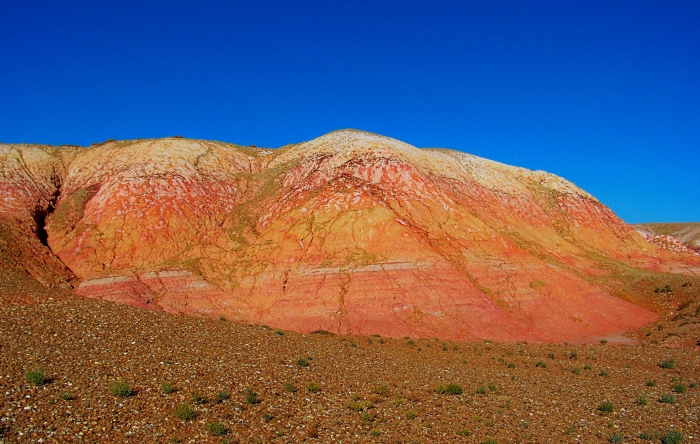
pixel 350 233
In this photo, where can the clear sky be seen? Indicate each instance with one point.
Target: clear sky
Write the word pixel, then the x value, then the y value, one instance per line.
pixel 605 94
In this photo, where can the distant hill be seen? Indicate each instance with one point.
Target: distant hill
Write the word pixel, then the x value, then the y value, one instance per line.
pixel 687 233
pixel 353 233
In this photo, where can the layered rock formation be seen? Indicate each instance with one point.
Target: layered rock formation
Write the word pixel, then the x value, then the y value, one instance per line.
pixel 350 233
pixel 672 236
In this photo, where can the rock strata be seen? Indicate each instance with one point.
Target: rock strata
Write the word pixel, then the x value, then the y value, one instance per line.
pixel 352 233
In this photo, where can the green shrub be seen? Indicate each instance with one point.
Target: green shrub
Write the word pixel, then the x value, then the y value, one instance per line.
pixel 615 438
pixel 587 367
pixel 449 389
pixel 355 406
pixel 577 371
pixel 606 407
pixel 668 364
pixel 251 397
pixel 511 365
pixel 489 441
pixel 642 400
pixel 651 383
pixel 279 332
pixel 667 398
pixel 410 415
pixel 66 396
pixel 550 355
pixel 166 387
pixel 541 364
pixel 36 376
pixel 693 385
pixel 679 388
pixel 603 341
pixel 217 429
pixel 312 387
pixel 381 389
pixel 573 355
pixel 184 412
pixel 222 396
pixel 464 432
pixel 301 362
pixel 481 390
pixel 672 437
pixel 289 387
pixel 121 388
pixel 198 398
pixel 368 417
pixel 374 432
pixel 603 373
pixel 649 435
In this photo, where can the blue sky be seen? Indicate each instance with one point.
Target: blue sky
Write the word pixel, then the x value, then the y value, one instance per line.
pixel 605 94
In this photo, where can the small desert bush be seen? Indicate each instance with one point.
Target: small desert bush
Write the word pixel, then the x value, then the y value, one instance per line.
pixel 121 388
pixel 587 367
pixel 489 441
pixel 66 396
pixel 481 390
pixel 184 412
pixel 312 387
pixel 573 355
pixel 410 416
pixel 301 362
pixel 279 332
pixel 368 417
pixel 36 376
pixel 679 388
pixel 615 438
pixel 251 397
pixel 541 364
pixel 603 341
pixel 222 396
pixel 576 371
pixel 511 365
pixel 381 389
pixel 464 432
pixel 217 429
pixel 355 406
pixel 672 437
pixel 289 387
pixel 642 400
pixel 668 364
pixel 374 432
pixel 603 373
pixel 667 398
pixel 449 389
pixel 606 407
pixel 166 387
pixel 648 435
pixel 651 383
pixel 198 398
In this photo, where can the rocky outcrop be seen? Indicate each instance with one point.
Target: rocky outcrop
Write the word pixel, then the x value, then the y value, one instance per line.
pixel 672 236
pixel 351 233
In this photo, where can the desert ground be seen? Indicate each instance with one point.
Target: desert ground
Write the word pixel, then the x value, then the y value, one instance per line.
pixel 254 384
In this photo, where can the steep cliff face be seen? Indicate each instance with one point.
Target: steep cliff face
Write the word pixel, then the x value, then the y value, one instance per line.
pixel 351 233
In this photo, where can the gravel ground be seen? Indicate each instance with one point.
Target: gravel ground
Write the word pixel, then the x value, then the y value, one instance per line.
pixel 369 389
